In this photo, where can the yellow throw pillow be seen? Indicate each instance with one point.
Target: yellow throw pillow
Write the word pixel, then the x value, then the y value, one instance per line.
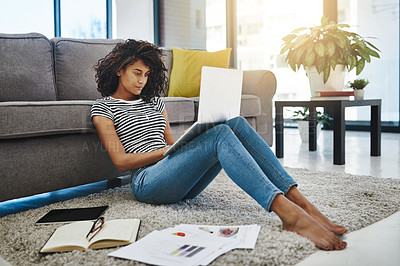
pixel 186 69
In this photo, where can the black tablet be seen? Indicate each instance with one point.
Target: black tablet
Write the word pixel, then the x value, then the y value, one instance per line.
pixel 72 215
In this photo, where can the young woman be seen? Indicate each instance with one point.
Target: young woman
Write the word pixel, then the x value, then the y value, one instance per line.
pixel 133 125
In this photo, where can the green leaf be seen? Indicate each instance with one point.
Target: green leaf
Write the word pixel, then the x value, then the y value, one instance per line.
pixel 324 21
pixel 342 40
pixel 353 63
pixel 350 34
pixel 315 32
pixel 354 60
pixel 360 43
pixel 284 49
pixel 343 25
pixel 349 60
pixel 299 53
pixel 372 53
pixel 289 38
pixel 310 46
pixel 290 56
pixel 309 59
pixel 293 66
pixel 364 55
pixel 360 66
pixel 359 84
pixel 300 41
pixel 330 48
pixel 320 49
pixel 320 65
pixel 370 44
pixel 333 63
pixel 327 71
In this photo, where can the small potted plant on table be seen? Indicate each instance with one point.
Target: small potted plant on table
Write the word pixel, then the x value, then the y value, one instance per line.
pixel 358 86
pixel 302 117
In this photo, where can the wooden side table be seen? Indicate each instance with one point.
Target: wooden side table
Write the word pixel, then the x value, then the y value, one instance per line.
pixel 338 108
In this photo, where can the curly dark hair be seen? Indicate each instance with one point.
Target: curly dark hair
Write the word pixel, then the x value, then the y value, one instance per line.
pixel 125 54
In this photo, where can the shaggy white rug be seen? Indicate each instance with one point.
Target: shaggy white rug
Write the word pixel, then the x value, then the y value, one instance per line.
pixel 349 200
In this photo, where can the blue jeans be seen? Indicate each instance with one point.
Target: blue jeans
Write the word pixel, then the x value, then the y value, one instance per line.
pixel 233 146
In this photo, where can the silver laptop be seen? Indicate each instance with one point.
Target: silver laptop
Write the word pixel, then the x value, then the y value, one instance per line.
pixel 220 97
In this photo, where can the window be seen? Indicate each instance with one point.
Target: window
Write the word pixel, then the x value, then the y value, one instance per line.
pixel 79 19
pixel 25 16
pixel 216 25
pixel 379 19
pixel 84 19
pixel 261 26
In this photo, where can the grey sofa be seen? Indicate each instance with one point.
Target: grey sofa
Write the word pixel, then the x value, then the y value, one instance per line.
pixel 47 141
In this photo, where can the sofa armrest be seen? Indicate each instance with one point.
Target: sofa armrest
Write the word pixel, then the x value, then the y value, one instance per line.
pixel 262 83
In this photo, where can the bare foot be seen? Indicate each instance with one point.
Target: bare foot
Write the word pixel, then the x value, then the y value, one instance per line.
pixel 323 220
pixel 296 220
pixel 295 196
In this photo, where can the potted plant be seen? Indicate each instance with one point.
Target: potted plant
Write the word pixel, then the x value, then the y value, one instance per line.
pixel 327 49
pixel 358 86
pixel 302 117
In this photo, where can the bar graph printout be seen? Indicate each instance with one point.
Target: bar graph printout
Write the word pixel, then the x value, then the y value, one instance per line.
pixel 167 249
pixel 189 244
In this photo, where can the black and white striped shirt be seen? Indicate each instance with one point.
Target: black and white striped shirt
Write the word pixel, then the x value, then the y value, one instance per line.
pixel 139 125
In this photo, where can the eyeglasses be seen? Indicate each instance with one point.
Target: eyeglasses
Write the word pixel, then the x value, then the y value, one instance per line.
pixel 96 227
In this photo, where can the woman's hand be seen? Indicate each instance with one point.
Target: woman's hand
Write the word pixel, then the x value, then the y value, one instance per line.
pixel 184 132
pixel 164 150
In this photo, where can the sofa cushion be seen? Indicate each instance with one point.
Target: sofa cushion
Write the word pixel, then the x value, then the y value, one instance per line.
pixel 180 109
pixel 31 119
pixel 74 61
pixel 186 69
pixel 26 68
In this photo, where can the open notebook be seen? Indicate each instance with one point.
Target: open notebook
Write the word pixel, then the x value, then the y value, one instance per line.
pixel 220 97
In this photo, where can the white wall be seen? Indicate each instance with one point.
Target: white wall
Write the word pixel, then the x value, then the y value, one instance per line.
pixel 133 19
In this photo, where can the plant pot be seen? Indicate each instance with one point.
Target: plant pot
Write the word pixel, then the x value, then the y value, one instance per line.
pixel 358 95
pixel 303 130
pixel 335 81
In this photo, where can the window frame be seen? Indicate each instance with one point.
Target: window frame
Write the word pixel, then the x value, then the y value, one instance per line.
pixel 57 18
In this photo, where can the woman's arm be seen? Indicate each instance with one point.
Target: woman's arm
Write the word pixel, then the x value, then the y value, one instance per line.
pixel 122 160
pixel 168 136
